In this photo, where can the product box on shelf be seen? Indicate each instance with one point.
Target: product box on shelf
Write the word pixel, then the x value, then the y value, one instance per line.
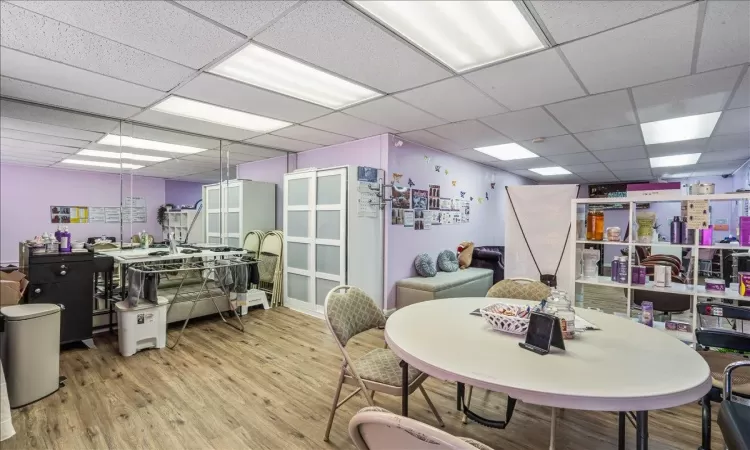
pixel 674 325
pixel 654 189
pixel 745 230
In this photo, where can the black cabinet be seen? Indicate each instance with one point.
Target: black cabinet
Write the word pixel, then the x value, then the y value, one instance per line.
pixel 67 280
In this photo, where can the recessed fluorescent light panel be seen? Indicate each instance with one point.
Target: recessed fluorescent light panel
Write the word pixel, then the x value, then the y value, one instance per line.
pixel 675 160
pixel 117 155
pixel 260 67
pixel 127 141
pixel 680 129
pixel 461 34
pixel 507 152
pixel 547 171
pixel 216 114
pixel 84 162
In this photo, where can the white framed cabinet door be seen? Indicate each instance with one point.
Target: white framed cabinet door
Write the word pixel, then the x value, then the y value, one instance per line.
pixel 212 200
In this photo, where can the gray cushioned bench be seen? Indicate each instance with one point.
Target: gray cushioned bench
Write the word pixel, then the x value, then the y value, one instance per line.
pixel 470 282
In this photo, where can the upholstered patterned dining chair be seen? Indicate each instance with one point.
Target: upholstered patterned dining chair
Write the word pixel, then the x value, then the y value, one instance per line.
pixel 349 311
pixel 520 288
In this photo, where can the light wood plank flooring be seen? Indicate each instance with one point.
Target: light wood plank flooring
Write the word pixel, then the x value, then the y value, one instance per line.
pixel 271 388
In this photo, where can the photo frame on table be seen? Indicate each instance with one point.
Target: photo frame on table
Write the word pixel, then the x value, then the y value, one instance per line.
pixel 545 332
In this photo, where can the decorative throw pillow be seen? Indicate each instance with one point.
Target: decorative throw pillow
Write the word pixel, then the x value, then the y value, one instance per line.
pixel 447 261
pixel 464 258
pixel 425 265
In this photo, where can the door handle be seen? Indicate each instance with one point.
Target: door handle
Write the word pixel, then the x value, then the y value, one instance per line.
pixel 63 272
pixel 38 291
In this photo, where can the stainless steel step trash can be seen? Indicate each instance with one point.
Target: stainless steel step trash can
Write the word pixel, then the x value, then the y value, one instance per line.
pixel 31 352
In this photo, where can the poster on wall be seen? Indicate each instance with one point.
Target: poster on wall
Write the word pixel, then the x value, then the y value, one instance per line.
pixel 96 214
pixel 368 174
pixel 428 219
pixel 112 215
pixel 456 217
pixel 419 199
pixel 419 219
pixel 69 214
pixel 434 196
pixel 445 204
pixel 446 218
pixel 397 216
pixel 456 204
pixel 465 212
pixel 408 217
pixel 401 197
pixel 437 217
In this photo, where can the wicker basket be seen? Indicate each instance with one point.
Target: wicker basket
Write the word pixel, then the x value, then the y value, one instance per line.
pixel 504 322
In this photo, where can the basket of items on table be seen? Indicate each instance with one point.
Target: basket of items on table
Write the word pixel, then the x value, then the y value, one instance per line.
pixel 507 318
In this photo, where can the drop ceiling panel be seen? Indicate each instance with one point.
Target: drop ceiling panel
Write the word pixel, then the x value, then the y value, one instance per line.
pixel 621 154
pixel 529 81
pixel 453 99
pixel 721 168
pixel 687 96
pixel 521 164
pixel 193 125
pixel 40 155
pixel 253 150
pixel 470 134
pixel 36 93
pixel 527 124
pixel 208 157
pixel 585 168
pixel 654 49
pixel 595 112
pixel 42 138
pixel 431 140
pixel 24 162
pixel 629 164
pixel 170 137
pixel 38 35
pixel 627 136
pixel 728 155
pixel 575 159
pixel 557 145
pixel 729 142
pixel 598 177
pixel 734 121
pixel 348 126
pixel 159 28
pixel 56 117
pixel 49 130
pixel 393 113
pixel 568 20
pixel 53 74
pixel 37 146
pixel 334 36
pixel 244 97
pixel 726 35
pixel 633 175
pixel 313 135
pixel 245 17
pixel 677 148
pixel 741 97
pixel 292 145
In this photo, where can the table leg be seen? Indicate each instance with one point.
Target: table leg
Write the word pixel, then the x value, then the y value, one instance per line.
pixel 641 430
pixel 553 429
pixel 404 388
pixel 621 431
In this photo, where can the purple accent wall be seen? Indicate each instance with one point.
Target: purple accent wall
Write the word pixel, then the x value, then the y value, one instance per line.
pixel 182 192
pixel 28 193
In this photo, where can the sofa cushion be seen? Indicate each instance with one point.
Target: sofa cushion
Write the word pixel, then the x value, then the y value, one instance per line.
pixel 444 280
pixel 447 261
pixel 424 265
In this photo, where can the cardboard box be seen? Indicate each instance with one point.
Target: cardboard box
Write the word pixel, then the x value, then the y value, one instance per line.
pixel 12 287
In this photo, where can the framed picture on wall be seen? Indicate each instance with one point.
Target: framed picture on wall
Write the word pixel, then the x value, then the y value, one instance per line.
pixel 401 197
pixel 434 196
pixel 445 204
pixel 419 199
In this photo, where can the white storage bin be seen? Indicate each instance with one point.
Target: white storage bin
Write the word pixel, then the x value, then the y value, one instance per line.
pixel 144 326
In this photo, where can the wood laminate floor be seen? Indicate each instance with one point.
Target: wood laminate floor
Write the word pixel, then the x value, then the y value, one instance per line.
pixel 271 388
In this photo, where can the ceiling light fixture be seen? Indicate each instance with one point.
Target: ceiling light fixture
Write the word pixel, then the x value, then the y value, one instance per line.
pixel 85 162
pixel 675 160
pixel 146 144
pixel 260 67
pixel 117 155
pixel 216 114
pixel 463 35
pixel 680 129
pixel 547 171
pixel 507 152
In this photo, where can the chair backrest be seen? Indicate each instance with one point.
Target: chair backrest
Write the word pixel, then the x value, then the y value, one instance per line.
pixel 351 312
pixel 252 242
pixel 374 428
pixel 520 288
pixel 719 337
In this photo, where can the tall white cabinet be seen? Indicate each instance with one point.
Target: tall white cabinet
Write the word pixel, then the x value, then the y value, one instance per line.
pixel 234 208
pixel 327 241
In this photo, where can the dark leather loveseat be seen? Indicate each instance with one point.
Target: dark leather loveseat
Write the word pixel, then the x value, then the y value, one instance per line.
pixel 490 257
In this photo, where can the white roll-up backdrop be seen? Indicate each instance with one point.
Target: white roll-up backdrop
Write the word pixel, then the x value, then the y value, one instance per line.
pixel 544 213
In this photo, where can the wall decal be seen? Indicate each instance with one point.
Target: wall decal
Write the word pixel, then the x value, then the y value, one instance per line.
pixel 486 196
pixel 453 183
pixel 427 159
pixel 471 199
pixel 492 185
pixel 462 194
pixel 411 183
pixel 397 177
pixel 437 168
pixel 446 171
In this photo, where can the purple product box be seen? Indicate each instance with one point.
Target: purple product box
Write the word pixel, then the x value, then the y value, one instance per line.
pixel 744 283
pixel 647 314
pixel 615 269
pixel 641 275
pixel 745 230
pixel 634 276
pixel 715 284
pixel 622 271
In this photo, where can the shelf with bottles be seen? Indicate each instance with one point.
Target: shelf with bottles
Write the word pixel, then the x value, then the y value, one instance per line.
pixel 600 281
pixel 620 243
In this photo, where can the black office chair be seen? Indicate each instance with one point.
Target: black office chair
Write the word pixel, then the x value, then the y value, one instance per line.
pixel 718 362
pixel 734 417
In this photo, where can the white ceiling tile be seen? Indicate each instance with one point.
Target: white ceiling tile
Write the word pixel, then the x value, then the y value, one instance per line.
pixel 193 125
pixel 532 80
pixel 246 17
pixel 686 96
pixel 431 140
pixel 568 20
pixel 313 135
pixel 25 162
pixel 55 117
pixel 574 159
pixel 722 168
pixel 393 113
pixel 292 145
pixel 654 49
pixel 634 174
pixel 49 130
pixel 244 97
pixel 42 138
pixel 599 177
pixel 527 124
pixel 677 148
pixel 334 36
pixel 42 155
pixel 729 142
pixel 627 136
pixel 473 155
pixel 168 136
pixel 734 121
pixel 727 155
pixel 253 150
pixel 470 134
pixel 595 112
pixel 38 35
pixel 209 156
pixel 629 164
pixel 49 73
pixel 453 99
pixel 348 125
pixel 726 35
pixel 557 145
pixel 520 164
pixel 741 97
pixel 37 146
pixel 159 28
pixel 585 168
pixel 621 154
pixel 36 93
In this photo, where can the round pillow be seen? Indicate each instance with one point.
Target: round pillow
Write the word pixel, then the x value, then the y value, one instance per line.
pixel 447 261
pixel 425 265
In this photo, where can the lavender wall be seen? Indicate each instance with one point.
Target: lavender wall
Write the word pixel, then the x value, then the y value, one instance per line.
pixel 28 192
pixel 182 192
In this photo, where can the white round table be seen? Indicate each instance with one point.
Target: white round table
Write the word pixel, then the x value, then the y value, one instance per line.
pixel 624 366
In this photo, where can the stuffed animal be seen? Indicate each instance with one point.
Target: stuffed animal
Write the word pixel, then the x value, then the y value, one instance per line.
pixel 465 250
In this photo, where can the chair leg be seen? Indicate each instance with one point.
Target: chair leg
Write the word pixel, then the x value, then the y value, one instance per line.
pixel 465 419
pixel 335 403
pixel 552 429
pixel 706 423
pixel 432 407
